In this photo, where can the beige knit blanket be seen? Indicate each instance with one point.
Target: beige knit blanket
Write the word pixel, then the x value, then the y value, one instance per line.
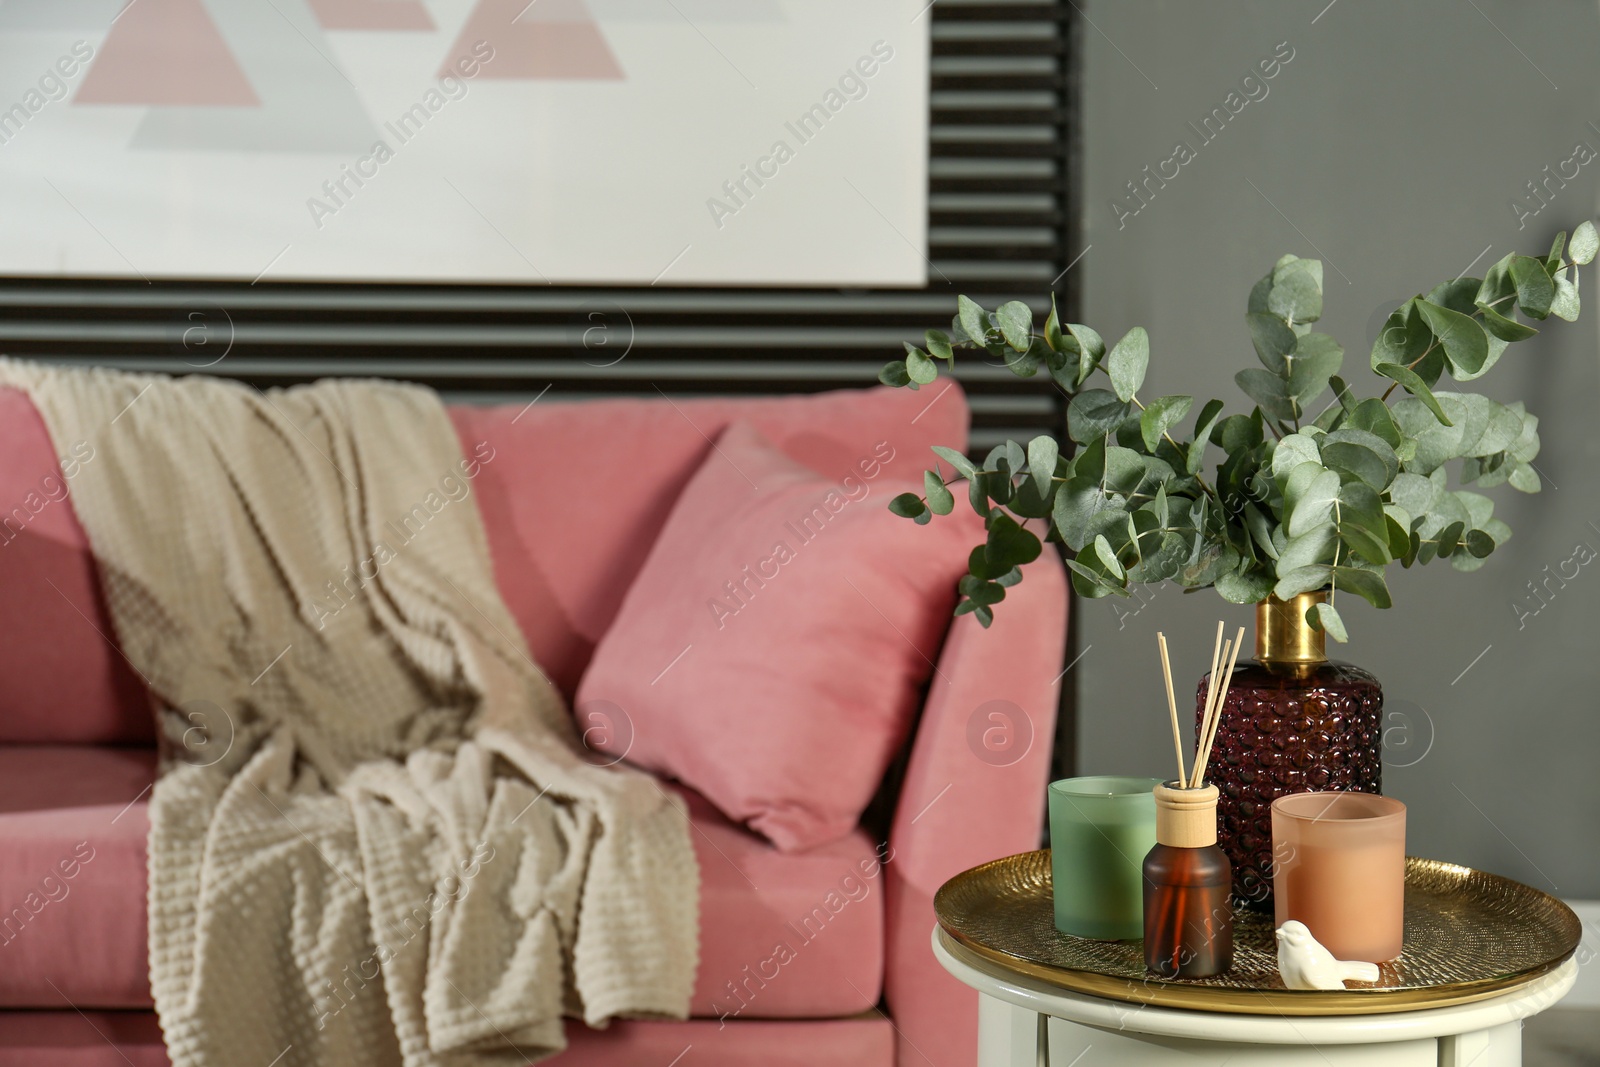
pixel 374 840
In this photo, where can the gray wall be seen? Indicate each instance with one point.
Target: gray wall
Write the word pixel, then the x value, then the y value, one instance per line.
pixel 1393 142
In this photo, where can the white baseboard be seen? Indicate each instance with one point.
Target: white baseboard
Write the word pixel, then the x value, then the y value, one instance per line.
pixel 1586 994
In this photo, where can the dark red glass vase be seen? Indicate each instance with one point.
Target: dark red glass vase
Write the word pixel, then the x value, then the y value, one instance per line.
pixel 1292 722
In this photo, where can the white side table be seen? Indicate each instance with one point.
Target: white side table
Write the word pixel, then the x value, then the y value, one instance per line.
pixel 1023 1022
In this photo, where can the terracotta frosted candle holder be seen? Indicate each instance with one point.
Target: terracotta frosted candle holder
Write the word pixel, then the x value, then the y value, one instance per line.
pixel 1339 867
pixel 1100 830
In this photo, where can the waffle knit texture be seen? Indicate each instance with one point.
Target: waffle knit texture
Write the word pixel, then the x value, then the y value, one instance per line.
pixel 375 839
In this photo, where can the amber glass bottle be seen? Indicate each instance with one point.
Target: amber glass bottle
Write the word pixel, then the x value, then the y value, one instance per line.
pixel 1188 916
pixel 1292 722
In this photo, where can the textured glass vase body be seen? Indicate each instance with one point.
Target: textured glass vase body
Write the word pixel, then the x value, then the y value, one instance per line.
pixel 1288 729
pixel 1188 920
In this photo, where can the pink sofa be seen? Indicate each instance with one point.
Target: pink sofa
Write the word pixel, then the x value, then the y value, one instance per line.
pixel 76 761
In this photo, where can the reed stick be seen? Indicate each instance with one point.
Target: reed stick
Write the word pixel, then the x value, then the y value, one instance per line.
pixel 1216 714
pixel 1172 706
pixel 1208 716
pixel 1205 708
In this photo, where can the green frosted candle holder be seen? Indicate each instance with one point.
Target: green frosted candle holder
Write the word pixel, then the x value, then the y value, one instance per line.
pixel 1100 830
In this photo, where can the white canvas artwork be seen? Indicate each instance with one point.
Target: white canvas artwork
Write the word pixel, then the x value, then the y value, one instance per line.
pixel 672 142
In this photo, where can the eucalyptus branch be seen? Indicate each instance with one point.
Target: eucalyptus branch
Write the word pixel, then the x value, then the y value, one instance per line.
pixel 1361 484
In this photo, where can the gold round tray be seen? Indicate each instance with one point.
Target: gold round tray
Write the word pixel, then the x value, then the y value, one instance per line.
pixel 1468 936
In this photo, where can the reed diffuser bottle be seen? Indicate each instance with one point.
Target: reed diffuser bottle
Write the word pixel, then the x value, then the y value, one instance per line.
pixel 1188 915
pixel 1188 880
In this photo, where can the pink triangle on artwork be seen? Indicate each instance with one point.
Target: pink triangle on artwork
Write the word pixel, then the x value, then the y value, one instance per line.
pixel 166 53
pixel 560 42
pixel 372 15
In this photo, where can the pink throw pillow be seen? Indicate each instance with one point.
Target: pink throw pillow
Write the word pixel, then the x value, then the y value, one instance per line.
pixel 773 650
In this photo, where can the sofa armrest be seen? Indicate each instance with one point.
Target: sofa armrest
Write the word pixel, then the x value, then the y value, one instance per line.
pixel 974 791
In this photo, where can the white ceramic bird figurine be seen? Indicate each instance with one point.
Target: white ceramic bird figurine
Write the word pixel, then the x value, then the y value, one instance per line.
pixel 1305 964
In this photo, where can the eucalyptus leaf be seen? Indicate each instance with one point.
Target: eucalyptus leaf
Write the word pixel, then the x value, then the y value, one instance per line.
pixel 1526 448
pixel 1459 294
pixel 908 505
pixel 981 591
pixel 1016 457
pixel 1450 537
pixel 1016 324
pixel 938 343
pixel 921 369
pixel 1293 450
pixel 1108 558
pixel 1497 289
pixel 1368 585
pixel 1090 580
pixel 1296 293
pixel 1463 340
pixel 1303 580
pixel 1362 523
pixel 1403 339
pixel 1042 455
pixel 1052 329
pixel 1566 303
pixel 1251 587
pixel 1079 505
pixel 973 319
pixel 1315 546
pixel 1415 493
pixel 940 501
pixel 1273 340
pixel 1373 415
pixel 1400 539
pixel 1267 390
pixel 895 374
pixel 1091 348
pixel 1414 385
pixel 1358 454
pixel 1238 433
pixel 1553 260
pixel 1584 243
pixel 1535 290
pixel 1009 545
pixel 1159 416
pixel 1260 527
pixel 960 462
pixel 1506 329
pixel 1316 359
pixel 1316 504
pixel 1094 413
pixel 1207 419
pixel 1301 478
pixel 978 496
pixel 1326 618
pixel 1127 363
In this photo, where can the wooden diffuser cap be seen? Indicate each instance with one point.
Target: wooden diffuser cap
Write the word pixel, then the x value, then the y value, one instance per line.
pixel 1186 818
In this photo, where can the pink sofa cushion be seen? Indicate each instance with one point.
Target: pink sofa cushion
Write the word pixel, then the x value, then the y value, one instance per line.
pixel 61 677
pixel 772 653
pixel 68 1038
pixel 577 492
pixel 72 884
pixel 85 930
